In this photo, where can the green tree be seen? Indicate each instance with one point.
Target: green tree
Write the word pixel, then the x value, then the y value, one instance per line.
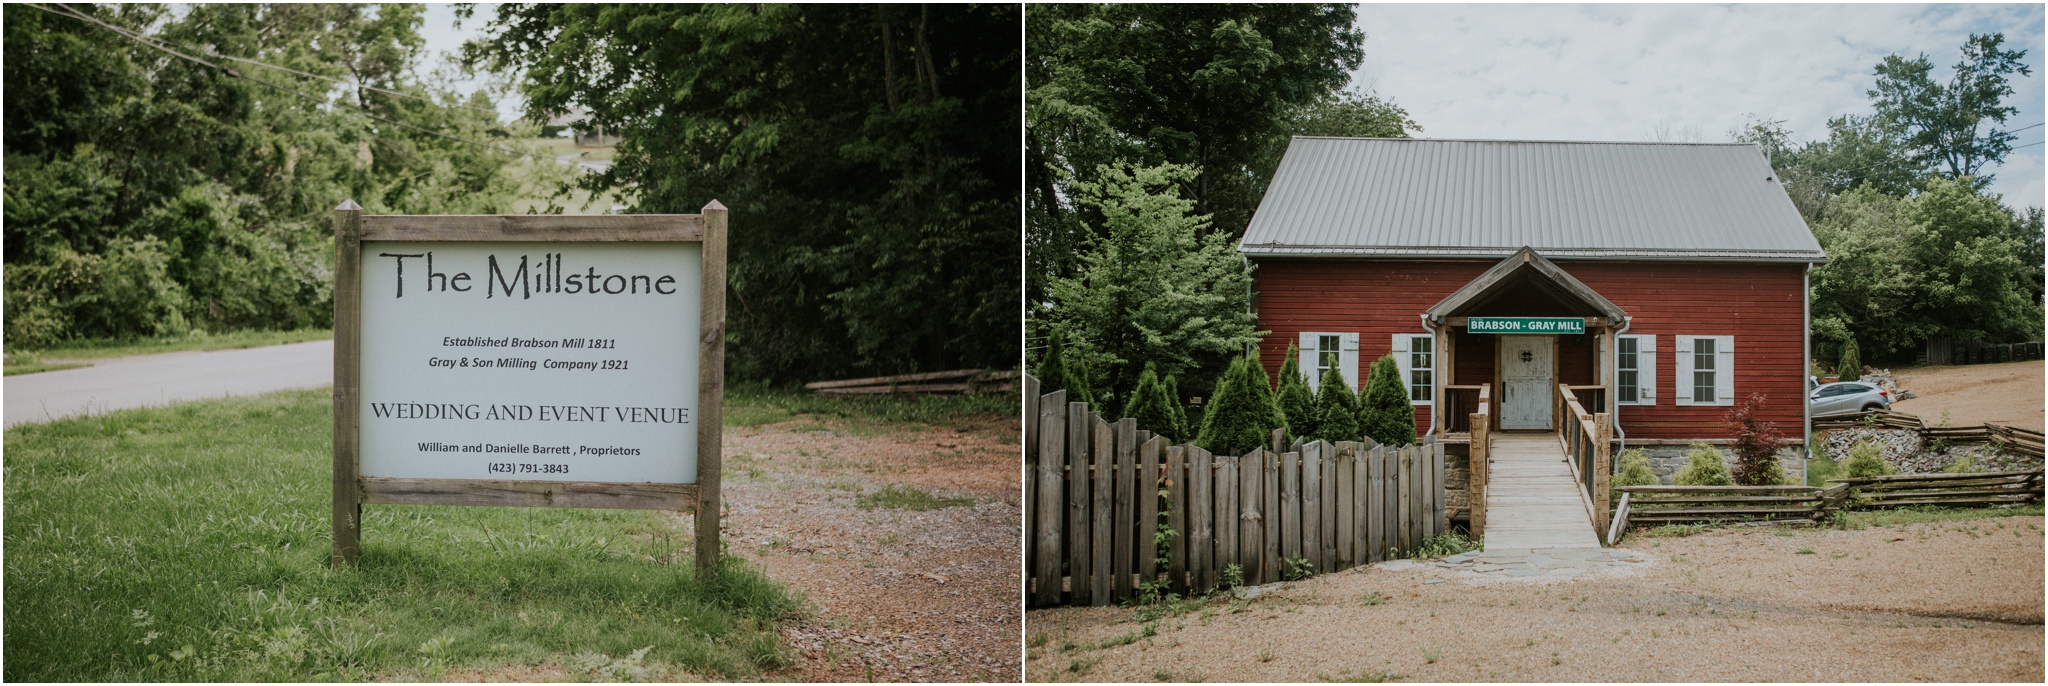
pixel 148 194
pixel 1384 413
pixel 1210 87
pixel 1336 408
pixel 1946 123
pixel 1151 407
pixel 1054 374
pixel 1152 287
pixel 1297 402
pixel 1851 366
pixel 1946 262
pixel 1181 429
pixel 1241 415
pixel 867 153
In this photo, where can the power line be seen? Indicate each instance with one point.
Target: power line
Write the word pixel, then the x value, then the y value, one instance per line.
pixel 211 52
pixel 230 72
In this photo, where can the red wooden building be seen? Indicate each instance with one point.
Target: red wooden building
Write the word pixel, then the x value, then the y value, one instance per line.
pixel 1661 282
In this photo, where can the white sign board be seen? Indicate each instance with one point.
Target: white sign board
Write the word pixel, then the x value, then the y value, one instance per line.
pixel 530 361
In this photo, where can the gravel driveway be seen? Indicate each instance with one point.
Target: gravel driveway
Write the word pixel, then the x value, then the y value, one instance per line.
pixel 1955 601
pixel 903 594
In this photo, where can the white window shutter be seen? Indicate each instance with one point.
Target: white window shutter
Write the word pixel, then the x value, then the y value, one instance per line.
pixel 1401 359
pixel 1646 369
pixel 1347 360
pixel 1306 358
pixel 1681 382
pixel 1724 370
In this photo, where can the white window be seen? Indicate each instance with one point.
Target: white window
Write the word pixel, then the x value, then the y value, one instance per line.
pixel 1324 350
pixel 1416 354
pixel 1635 369
pixel 1706 370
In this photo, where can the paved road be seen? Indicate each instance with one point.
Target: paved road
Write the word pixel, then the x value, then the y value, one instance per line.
pixel 145 380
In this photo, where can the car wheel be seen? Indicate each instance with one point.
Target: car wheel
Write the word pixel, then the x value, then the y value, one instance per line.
pixel 1873 407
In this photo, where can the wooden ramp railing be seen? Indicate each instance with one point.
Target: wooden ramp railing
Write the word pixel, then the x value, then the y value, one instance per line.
pixel 1113 508
pixel 1587 439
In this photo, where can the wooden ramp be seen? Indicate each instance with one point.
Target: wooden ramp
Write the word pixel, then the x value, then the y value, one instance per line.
pixel 1531 499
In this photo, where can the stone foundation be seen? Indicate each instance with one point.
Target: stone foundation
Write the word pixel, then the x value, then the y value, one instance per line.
pixel 1667 460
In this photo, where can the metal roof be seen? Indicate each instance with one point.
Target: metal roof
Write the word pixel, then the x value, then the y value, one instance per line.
pixel 1399 197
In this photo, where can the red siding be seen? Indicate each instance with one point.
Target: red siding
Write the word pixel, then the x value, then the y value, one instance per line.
pixel 1761 305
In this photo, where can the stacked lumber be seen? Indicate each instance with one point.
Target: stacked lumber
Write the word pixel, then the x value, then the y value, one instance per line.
pixel 958 381
pixel 1947 490
pixel 1654 505
pixel 1877 419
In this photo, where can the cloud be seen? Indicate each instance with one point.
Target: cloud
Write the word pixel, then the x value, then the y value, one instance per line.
pixel 1615 72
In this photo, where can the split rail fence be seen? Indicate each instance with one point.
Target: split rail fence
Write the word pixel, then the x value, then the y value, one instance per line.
pixel 2023 441
pixel 1111 509
pixel 1655 505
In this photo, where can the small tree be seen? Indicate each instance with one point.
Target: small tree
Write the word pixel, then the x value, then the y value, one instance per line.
pixel 1851 366
pixel 1151 407
pixel 1635 471
pixel 1181 430
pixel 1297 402
pixel 1704 467
pixel 1757 443
pixel 1241 415
pixel 1054 374
pixel 1336 409
pixel 1384 413
pixel 1865 459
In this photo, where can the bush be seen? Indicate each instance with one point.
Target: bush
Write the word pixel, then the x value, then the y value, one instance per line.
pixel 1297 402
pixel 1757 443
pixel 1865 459
pixel 1336 409
pixel 1851 366
pixel 1055 375
pixel 1151 407
pixel 1384 413
pixel 1241 415
pixel 1704 468
pixel 1181 429
pixel 1635 471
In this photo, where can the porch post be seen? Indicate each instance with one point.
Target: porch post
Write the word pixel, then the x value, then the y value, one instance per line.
pixel 1608 372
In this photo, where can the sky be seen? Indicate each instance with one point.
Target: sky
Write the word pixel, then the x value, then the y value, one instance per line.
pixel 1693 72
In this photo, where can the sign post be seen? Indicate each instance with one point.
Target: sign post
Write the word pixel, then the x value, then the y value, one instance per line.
pixel 529 361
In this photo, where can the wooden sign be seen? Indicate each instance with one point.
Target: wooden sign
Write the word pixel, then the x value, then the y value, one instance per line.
pixel 1522 325
pixel 529 361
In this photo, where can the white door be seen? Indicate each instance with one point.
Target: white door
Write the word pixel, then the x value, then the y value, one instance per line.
pixel 1527 381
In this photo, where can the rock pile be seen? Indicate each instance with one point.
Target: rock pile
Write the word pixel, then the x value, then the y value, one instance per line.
pixel 1895 445
pixel 1885 380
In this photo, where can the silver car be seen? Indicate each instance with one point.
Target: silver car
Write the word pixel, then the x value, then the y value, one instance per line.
pixel 1848 396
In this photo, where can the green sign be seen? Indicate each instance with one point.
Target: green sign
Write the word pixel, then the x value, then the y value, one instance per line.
pixel 1525 325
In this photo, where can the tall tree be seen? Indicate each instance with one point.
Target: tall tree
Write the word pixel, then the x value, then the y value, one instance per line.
pixel 1946 123
pixel 1384 413
pixel 868 155
pixel 1207 86
pixel 147 194
pixel 1153 287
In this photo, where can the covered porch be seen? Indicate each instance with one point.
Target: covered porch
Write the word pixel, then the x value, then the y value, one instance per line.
pixel 1531 332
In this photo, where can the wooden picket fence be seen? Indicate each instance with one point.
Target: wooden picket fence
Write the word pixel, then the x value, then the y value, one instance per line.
pixel 1111 508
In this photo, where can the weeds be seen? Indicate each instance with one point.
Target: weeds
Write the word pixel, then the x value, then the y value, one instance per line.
pixel 1359 677
pixel 1299 568
pixel 1444 545
pixel 901 497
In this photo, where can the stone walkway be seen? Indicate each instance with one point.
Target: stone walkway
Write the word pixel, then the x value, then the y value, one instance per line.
pixel 1532 562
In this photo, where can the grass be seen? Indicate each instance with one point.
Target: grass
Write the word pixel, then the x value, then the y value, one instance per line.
pixel 1359 677
pixel 753 404
pixel 190 543
pixel 1862 519
pixel 25 361
pixel 1819 469
pixel 901 497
